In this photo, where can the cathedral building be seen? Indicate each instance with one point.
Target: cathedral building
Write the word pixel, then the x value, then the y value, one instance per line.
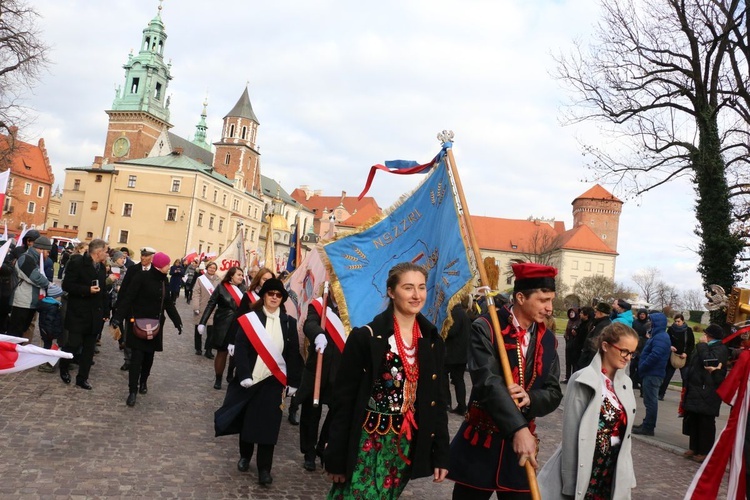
pixel 151 187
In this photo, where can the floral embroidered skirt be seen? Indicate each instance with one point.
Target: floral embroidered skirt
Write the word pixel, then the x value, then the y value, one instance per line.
pixel 380 472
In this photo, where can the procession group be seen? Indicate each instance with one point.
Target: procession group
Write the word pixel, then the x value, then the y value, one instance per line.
pixel 387 418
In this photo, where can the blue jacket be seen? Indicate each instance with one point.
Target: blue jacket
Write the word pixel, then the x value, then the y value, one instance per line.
pixel 50 318
pixel 625 317
pixel 655 356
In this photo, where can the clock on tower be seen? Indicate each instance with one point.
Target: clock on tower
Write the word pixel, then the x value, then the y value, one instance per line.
pixel 120 147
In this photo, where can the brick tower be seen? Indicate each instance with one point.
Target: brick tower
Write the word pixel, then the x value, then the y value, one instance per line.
pixel 600 210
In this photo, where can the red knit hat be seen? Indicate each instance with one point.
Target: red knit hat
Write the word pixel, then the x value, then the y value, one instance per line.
pixel 530 275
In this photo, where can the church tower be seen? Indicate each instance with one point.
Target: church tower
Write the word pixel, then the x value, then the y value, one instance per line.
pixel 201 128
pixel 600 210
pixel 140 111
pixel 237 152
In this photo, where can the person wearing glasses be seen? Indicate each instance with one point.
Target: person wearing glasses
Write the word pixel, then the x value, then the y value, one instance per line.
pixel 268 364
pixel 594 459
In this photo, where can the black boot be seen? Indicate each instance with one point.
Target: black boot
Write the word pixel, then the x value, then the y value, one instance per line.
pixel 217 384
pixel 65 375
pixel 131 399
pixel 208 354
pixel 143 388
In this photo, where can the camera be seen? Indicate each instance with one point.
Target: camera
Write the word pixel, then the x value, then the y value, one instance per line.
pixel 95 283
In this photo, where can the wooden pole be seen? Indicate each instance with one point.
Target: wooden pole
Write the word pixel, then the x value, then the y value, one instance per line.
pixel 319 360
pixel 504 363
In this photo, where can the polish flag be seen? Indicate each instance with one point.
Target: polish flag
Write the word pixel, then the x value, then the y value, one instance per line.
pixel 15 357
pixel 5 232
pixel 4 178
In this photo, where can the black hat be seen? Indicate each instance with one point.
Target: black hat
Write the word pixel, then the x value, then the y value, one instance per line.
pixel 604 308
pixel 31 235
pixel 43 243
pixel 274 284
pixel 714 331
pixel 624 304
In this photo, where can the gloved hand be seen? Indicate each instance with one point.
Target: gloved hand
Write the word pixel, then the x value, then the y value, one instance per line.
pixel 291 391
pixel 321 342
pixel 196 312
pixel 246 383
pixel 230 349
pixel 115 323
pixel 179 329
pixel 201 329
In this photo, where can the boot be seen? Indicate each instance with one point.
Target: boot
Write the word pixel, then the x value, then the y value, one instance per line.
pixel 143 388
pixel 208 354
pixel 131 399
pixel 217 384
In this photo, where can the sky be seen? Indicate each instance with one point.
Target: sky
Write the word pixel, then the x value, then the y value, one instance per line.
pixel 338 86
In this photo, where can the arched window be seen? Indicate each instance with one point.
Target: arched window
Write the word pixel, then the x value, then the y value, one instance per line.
pixel 231 130
pixel 244 133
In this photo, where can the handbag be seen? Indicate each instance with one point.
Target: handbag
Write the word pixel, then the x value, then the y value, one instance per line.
pixel 676 361
pixel 148 328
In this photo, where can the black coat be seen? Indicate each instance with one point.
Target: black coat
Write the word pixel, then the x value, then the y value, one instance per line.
pixel 262 424
pixel 331 361
pixel 360 364
pixel 589 344
pixel 700 394
pixel 86 311
pixel 226 307
pixel 146 296
pixel 683 341
pixel 457 338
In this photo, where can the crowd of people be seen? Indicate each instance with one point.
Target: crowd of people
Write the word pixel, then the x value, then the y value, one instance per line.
pixel 387 419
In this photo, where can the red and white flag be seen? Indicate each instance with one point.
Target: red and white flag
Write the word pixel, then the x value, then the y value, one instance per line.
pixel 4 178
pixel 5 231
pixel 15 357
pixel 334 326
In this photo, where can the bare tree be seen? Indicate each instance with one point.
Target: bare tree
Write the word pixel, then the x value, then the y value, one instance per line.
pixel 23 55
pixel 594 287
pixel 647 281
pixel 669 78
pixel 666 297
pixel 542 248
pixel 693 300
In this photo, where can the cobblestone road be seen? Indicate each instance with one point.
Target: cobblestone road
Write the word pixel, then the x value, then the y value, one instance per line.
pixel 63 442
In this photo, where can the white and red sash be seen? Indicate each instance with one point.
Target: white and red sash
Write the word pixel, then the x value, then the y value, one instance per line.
pixel 334 326
pixel 206 283
pixel 234 292
pixel 254 297
pixel 259 337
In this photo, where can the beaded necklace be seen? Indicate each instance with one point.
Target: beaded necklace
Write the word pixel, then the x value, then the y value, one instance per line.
pixel 408 357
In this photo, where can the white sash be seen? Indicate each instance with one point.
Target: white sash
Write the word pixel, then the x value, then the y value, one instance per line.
pixel 334 326
pixel 203 280
pixel 261 340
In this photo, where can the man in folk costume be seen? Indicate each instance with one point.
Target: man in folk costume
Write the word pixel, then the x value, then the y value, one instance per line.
pixel 330 342
pixel 498 434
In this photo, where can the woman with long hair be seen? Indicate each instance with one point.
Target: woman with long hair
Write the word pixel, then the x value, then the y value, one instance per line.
pixel 225 300
pixel 595 454
pixel 389 423
pixel 268 365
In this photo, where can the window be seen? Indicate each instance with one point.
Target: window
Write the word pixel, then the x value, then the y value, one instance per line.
pixel 94 205
pixel 54 223
pixel 256 212
pixel 200 219
pixel 587 266
pixel 227 159
pixel 43 208
pixel 221 225
pixel 89 235
pixel 10 183
pixel 216 196
pixel 27 188
pixel 76 184
pixel 127 210
pixel 157 91
pixel 231 131
pixel 172 214
pixel 31 208
pixel 203 191
pixel 73 208
pixel 244 133
pixel 575 265
pixel 252 235
pixel 604 236
pixel 236 205
pixel 40 192
pixel 98 177
pixel 131 181
pixel 211 222
pixel 600 268
pixel 249 210
pixel 224 200
pixel 175 185
pixel 123 236
pixel 134 86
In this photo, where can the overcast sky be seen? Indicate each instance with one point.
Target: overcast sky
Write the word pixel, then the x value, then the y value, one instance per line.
pixel 339 85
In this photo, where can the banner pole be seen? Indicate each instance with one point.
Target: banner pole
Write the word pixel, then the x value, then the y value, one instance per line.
pixel 319 360
pixel 504 362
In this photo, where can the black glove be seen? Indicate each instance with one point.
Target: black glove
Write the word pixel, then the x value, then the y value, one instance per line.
pixel 115 323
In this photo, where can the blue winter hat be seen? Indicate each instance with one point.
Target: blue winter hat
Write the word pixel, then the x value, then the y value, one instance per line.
pixel 54 291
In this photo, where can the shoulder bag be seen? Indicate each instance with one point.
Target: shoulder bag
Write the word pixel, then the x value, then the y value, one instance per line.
pixel 148 328
pixel 675 360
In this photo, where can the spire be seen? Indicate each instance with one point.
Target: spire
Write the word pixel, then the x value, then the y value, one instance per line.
pixel 243 108
pixel 146 74
pixel 201 128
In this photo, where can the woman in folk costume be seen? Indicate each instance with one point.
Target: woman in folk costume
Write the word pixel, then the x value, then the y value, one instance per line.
pixel 594 460
pixel 388 421
pixel 205 284
pixel 225 299
pixel 268 363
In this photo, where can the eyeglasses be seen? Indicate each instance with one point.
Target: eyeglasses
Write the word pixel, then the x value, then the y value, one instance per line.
pixel 624 353
pixel 274 293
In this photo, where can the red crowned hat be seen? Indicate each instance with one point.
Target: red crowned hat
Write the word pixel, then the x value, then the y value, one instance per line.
pixel 530 276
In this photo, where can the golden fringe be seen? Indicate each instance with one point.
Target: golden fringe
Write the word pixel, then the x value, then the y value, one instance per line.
pixel 455 299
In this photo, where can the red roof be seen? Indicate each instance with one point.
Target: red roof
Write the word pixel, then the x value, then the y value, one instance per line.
pixel 598 193
pixel 526 236
pixel 351 204
pixel 29 161
pixel 362 216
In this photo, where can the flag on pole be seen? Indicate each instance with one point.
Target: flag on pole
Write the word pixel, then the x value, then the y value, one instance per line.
pixel 402 167
pixel 15 357
pixel 4 178
pixel 268 254
pixel 4 249
pixel 305 285
pixel 24 230
pixel 424 229
pixel 294 251
pixel 232 256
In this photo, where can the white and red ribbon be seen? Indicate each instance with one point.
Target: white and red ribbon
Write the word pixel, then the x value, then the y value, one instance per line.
pixel 254 297
pixel 206 283
pixel 334 326
pixel 235 292
pixel 15 357
pixel 268 352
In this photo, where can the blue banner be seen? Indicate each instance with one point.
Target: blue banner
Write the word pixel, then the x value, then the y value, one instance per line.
pixel 423 229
